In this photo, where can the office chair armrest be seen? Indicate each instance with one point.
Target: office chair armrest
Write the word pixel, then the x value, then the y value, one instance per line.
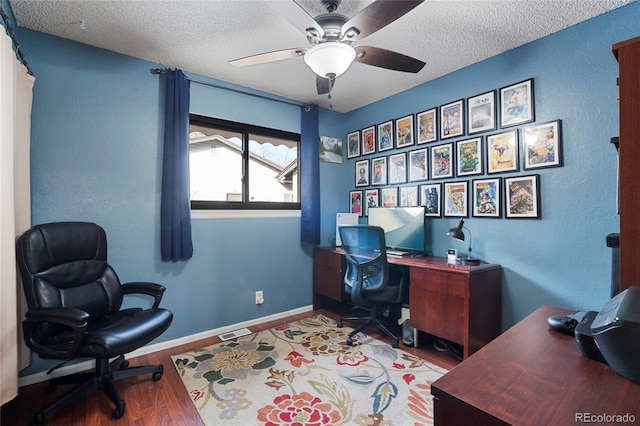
pixel 150 289
pixel 71 318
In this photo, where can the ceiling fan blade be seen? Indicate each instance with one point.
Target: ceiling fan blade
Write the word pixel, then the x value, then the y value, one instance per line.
pixel 388 59
pixel 297 17
pixel 324 85
pixel 377 15
pixel 263 58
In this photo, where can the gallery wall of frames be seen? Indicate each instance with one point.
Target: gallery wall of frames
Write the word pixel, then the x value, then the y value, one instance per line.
pixel 452 158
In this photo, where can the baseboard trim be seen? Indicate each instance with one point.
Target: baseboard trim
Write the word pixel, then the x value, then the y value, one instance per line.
pixel 86 365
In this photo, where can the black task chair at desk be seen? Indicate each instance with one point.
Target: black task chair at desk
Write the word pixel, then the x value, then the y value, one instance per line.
pixel 368 277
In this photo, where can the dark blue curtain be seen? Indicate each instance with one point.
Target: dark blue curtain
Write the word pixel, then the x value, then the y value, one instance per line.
pixel 175 208
pixel 310 176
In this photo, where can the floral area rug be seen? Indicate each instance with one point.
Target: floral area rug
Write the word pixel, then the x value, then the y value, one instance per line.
pixel 304 373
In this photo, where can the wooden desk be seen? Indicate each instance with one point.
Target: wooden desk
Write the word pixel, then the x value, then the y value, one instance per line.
pixel 460 303
pixel 532 375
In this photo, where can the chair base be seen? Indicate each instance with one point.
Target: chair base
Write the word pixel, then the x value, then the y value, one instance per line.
pixel 104 378
pixel 370 320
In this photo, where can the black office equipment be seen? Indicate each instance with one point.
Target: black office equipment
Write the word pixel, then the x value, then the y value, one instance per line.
pixel 368 278
pixel 74 299
pixel 616 330
pixel 586 342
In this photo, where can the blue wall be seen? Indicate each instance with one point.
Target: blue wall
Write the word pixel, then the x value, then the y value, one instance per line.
pixel 96 155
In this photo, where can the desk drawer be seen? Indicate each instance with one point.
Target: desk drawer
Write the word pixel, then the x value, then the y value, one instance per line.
pixel 440 282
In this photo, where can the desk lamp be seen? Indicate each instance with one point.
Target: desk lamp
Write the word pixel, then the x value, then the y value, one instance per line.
pixel 458 234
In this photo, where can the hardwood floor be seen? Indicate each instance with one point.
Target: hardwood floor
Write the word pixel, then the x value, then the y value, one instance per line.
pixel 156 403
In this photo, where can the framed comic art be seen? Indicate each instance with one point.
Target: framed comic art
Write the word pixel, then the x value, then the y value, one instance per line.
pixel 397 168
pixel 485 194
pixel 427 126
pixel 372 199
pixel 404 131
pixel 409 196
pixel 418 165
pixel 517 104
pixel 455 199
pixel 502 152
pixel 452 119
pixel 353 144
pixel 481 112
pixel 389 197
pixel 442 161
pixel 469 156
pixel 355 202
pixel 542 145
pixel 368 140
pixel 379 171
pixel 362 173
pixel 522 197
pixel 385 136
pixel 430 199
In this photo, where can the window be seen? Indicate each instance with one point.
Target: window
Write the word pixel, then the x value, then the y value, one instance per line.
pixel 239 166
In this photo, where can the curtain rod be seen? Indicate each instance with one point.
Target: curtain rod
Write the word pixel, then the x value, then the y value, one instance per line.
pixel 217 86
pixel 10 33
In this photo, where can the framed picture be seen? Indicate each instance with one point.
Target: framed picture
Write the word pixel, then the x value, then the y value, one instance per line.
pixel 330 149
pixel 486 197
pixel 517 104
pixel 502 152
pixel 409 196
pixel 389 197
pixel 397 168
pixel 368 140
pixel 404 131
pixel 441 161
pixel 522 196
pixel 481 112
pixel 455 199
pixel 542 145
pixel 452 119
pixel 362 173
pixel 355 202
pixel 469 156
pixel 372 199
pixel 427 126
pixel 353 144
pixel 379 171
pixel 385 136
pixel 430 199
pixel 418 165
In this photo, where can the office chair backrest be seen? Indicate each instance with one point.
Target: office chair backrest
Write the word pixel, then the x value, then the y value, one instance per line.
pixel 366 256
pixel 65 265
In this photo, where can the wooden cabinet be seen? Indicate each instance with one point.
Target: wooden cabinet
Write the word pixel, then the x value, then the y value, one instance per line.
pixel 328 273
pixel 460 303
pixel 628 55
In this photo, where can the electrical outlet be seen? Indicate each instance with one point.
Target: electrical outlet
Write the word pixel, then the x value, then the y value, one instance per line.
pixel 259 297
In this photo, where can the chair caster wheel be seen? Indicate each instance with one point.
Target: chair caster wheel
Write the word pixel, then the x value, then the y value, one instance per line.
pixel 394 343
pixel 350 341
pixel 124 364
pixel 158 375
pixel 339 324
pixel 118 412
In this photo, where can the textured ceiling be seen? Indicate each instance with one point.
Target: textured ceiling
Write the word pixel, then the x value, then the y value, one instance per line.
pixel 202 36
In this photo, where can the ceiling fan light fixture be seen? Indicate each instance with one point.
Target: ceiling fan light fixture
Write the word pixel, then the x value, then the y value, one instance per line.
pixel 330 58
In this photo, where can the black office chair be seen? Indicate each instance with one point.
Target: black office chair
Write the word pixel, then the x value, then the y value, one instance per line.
pixel 367 278
pixel 74 309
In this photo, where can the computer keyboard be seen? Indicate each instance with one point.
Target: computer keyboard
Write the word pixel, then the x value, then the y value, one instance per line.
pixel 396 252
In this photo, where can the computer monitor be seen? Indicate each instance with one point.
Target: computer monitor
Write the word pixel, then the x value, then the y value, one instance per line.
pixel 404 227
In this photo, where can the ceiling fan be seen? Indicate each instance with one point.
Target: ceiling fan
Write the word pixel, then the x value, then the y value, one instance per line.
pixel 331 35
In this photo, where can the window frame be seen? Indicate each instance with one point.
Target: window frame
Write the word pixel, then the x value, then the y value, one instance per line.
pixel 245 130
